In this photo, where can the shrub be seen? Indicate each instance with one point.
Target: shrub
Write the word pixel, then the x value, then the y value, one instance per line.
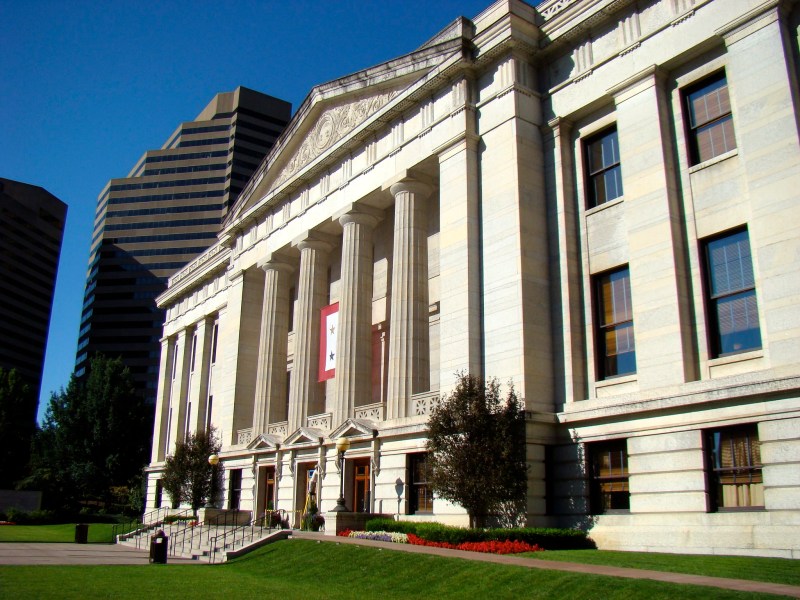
pixel 545 538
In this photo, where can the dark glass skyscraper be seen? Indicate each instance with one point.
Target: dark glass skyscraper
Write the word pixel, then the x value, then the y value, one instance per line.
pixel 167 210
pixel 31 229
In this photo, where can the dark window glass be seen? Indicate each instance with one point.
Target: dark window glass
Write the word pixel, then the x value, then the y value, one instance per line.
pixel 732 305
pixel 235 489
pixel 710 119
pixel 214 337
pixel 615 340
pixel 735 468
pixel 609 476
pixel 604 176
pixel 420 495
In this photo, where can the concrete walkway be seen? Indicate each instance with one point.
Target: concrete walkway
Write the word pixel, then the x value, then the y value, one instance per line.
pixel 740 585
pixel 21 553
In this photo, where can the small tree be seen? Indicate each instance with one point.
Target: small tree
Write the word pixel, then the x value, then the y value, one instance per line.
pixel 476 446
pixel 188 477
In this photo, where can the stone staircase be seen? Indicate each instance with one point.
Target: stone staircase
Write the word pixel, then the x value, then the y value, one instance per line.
pixel 206 543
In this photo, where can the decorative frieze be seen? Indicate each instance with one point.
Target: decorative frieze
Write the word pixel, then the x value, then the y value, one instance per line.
pixel 331 127
pixel 423 404
pixel 371 412
pixel 278 429
pixel 244 436
pixel 322 421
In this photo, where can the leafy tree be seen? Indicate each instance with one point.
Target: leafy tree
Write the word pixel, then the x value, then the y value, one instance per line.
pixel 17 426
pixel 96 436
pixel 188 477
pixel 476 445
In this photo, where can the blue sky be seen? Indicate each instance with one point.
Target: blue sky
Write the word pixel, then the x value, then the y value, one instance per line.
pixel 89 86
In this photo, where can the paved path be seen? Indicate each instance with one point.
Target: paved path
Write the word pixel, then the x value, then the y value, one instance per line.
pixel 22 553
pixel 741 585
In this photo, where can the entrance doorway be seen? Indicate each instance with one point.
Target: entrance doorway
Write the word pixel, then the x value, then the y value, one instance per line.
pixel 266 487
pixel 361 489
pixel 303 479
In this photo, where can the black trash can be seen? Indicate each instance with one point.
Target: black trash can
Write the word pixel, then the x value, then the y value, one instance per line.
pixel 81 533
pixel 158 548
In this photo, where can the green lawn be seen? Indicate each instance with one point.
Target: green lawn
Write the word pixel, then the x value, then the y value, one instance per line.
pixel 98 533
pixel 306 569
pixel 774 570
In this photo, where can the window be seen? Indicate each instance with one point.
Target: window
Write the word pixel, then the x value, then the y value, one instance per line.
pixel 735 468
pixel 603 173
pixel 615 342
pixel 609 477
pixel 420 495
pixel 235 489
pixel 193 353
pixel 730 285
pixel 710 119
pixel 159 494
pixel 214 339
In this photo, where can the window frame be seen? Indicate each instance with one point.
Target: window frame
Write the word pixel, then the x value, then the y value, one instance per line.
pixel 604 372
pixel 753 471
pixel 714 299
pixel 693 130
pixel 592 174
pixel 415 486
pixel 597 500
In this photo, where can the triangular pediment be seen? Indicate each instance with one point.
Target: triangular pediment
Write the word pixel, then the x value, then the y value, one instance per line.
pixel 354 428
pixel 305 435
pixel 264 441
pixel 334 113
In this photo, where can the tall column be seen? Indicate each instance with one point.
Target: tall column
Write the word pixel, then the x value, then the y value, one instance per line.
pixel 568 328
pixel 354 338
pixel 199 386
pixel 305 395
pixel 271 380
pixel 162 400
pixel 178 392
pixel 662 319
pixel 409 348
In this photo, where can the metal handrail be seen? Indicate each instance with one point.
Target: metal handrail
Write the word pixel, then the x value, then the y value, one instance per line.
pixel 255 524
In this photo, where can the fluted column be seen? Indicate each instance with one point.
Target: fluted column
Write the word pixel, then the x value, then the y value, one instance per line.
pixel 409 348
pixel 270 404
pixel 305 395
pixel 353 341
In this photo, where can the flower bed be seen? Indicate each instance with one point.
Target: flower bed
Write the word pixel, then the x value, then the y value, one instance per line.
pixel 492 546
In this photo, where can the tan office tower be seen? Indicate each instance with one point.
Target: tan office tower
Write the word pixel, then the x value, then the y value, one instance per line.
pixel 163 214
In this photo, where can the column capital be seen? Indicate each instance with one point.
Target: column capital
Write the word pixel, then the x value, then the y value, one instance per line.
pixel 413 186
pixel 359 218
pixel 410 181
pixel 273 262
pixel 314 240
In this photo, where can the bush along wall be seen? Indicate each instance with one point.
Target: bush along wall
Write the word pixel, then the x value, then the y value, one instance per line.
pixel 547 538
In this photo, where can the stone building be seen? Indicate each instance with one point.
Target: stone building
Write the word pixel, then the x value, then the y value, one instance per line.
pixel 594 199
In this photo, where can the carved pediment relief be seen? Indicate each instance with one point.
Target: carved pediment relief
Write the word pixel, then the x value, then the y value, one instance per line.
pixel 332 125
pixel 355 428
pixel 305 435
pixel 264 441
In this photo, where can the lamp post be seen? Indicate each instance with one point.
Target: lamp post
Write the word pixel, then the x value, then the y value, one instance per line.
pixel 342 446
pixel 213 460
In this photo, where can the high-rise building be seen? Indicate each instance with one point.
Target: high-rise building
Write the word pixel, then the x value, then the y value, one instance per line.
pixel 31 228
pixel 164 213
pixel 594 199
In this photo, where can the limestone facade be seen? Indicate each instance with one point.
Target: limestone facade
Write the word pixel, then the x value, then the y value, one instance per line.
pixel 594 199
